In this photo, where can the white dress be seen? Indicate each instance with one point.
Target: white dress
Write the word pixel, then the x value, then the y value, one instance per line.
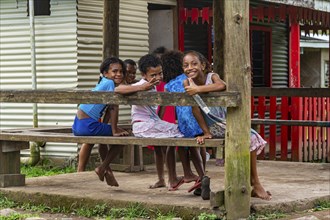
pixel 146 122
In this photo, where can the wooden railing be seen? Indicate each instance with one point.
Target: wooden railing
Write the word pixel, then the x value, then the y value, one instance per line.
pixel 295 122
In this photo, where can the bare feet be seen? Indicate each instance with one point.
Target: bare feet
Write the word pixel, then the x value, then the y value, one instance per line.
pixel 259 192
pixel 192 178
pixel 110 178
pixel 201 139
pixel 158 184
pixel 100 172
pixel 174 186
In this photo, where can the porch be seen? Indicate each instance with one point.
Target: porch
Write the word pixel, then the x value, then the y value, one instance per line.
pixel 294 186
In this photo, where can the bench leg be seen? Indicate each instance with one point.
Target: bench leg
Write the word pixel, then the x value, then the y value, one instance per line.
pixel 10 171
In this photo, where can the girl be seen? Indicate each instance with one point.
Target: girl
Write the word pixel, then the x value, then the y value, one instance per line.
pixel 130 71
pixel 87 123
pixel 188 126
pixel 201 81
pixel 145 120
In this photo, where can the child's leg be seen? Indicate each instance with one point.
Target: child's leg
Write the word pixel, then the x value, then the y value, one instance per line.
pixel 257 189
pixel 84 153
pixel 203 155
pixel 104 169
pixel 189 176
pixel 103 151
pixel 174 181
pixel 159 159
pixel 197 161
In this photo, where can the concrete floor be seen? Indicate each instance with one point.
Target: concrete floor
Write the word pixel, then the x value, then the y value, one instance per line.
pixel 294 186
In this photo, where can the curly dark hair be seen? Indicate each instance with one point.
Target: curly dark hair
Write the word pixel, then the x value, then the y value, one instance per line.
pixel 129 61
pixel 147 61
pixel 201 58
pixel 104 67
pixel 172 65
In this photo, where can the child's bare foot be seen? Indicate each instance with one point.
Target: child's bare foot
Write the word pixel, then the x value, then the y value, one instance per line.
pixel 259 192
pixel 100 172
pixel 201 139
pixel 158 184
pixel 192 178
pixel 175 185
pixel 110 178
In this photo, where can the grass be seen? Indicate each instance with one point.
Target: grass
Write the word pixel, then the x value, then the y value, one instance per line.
pixel 45 169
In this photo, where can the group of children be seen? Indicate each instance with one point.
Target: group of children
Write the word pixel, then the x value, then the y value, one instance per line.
pixel 189 72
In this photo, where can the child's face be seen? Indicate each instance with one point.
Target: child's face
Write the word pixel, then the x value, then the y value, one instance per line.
pixel 115 73
pixel 154 73
pixel 130 73
pixel 192 66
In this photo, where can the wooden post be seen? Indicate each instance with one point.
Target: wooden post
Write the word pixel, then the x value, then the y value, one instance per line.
pixel 218 39
pixel 10 174
pixel 111 28
pixel 294 82
pixel 234 16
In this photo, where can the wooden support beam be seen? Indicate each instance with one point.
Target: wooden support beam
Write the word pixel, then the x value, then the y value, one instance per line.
pixel 110 28
pixel 235 20
pixel 228 99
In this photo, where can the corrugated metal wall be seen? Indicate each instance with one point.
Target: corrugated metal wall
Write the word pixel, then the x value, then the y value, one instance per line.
pixel 56 64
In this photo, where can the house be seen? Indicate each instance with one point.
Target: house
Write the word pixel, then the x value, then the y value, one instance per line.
pixel 69 39
pixel 314 61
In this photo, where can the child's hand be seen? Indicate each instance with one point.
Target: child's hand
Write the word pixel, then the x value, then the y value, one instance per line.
pixel 201 139
pixel 120 132
pixel 149 85
pixel 192 89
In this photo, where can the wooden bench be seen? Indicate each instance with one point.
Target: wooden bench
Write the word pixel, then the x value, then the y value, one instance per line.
pixel 14 140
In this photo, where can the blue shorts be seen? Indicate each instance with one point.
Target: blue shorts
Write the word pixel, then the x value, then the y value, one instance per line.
pixel 90 127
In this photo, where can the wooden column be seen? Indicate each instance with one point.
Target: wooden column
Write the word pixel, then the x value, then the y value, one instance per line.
pixel 231 25
pixel 111 28
pixel 294 82
pixel 218 38
pixel 10 174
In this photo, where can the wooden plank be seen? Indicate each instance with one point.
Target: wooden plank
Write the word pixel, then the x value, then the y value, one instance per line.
pixel 284 129
pixel 110 28
pixel 290 122
pixel 9 161
pixel 272 129
pixel 7 180
pixel 70 138
pixel 228 99
pixel 237 69
pixel 291 92
pixel 12 146
pixel 261 114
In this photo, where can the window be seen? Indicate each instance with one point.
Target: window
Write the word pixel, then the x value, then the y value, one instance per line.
pixel 260 43
pixel 41 7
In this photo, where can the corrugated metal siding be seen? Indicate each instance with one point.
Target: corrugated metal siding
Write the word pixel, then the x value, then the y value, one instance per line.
pixel 90 41
pixel 280 55
pixel 163 2
pixel 56 64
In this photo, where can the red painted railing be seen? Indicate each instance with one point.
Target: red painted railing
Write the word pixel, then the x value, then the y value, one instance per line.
pixel 288 142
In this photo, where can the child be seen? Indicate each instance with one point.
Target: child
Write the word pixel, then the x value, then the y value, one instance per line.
pixel 130 71
pixel 145 120
pixel 188 126
pixel 201 81
pixel 87 123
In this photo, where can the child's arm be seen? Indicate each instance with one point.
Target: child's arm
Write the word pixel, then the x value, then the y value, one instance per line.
pixel 200 119
pixel 127 89
pixel 217 85
pixel 116 131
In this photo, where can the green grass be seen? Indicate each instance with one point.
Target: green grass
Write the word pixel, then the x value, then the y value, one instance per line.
pixel 45 169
